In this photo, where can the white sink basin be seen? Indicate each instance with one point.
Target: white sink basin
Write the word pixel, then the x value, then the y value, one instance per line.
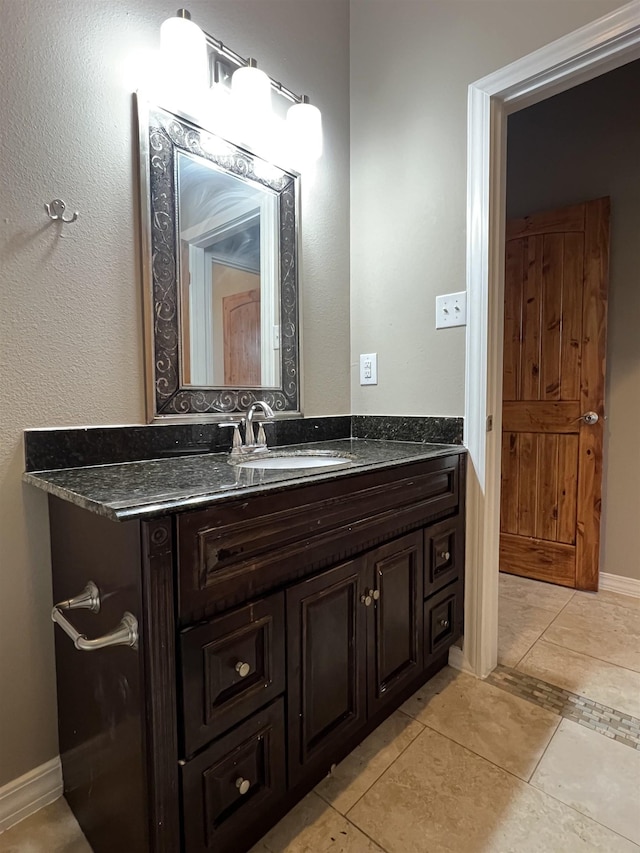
pixel 297 460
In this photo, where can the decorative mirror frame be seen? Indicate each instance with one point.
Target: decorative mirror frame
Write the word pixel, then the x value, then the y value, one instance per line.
pixel 161 135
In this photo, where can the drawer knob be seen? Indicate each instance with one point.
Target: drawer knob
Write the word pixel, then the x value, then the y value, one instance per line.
pixel 243 669
pixel 366 600
pixel 243 785
pixel 445 555
pixel 444 623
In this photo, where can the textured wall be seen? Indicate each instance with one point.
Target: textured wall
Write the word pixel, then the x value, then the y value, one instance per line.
pixel 70 303
pixel 411 65
pixel 580 145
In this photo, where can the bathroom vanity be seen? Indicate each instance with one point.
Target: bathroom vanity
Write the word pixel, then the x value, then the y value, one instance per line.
pixel 282 615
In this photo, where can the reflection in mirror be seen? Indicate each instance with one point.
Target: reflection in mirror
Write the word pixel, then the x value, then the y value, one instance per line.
pixel 229 299
pixel 220 259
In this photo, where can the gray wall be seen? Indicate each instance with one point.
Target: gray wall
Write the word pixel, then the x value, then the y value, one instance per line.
pixel 580 145
pixel 411 64
pixel 70 306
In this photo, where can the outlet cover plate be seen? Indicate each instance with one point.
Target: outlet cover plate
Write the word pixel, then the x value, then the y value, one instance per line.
pixel 369 368
pixel 451 310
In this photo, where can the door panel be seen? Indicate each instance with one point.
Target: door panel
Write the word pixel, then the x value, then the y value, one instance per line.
pixel 395 654
pixel 326 669
pixel 554 345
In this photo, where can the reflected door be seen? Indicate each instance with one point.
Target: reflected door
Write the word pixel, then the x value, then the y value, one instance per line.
pixel 241 336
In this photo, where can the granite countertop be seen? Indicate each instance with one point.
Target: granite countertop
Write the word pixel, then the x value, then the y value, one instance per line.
pixel 154 487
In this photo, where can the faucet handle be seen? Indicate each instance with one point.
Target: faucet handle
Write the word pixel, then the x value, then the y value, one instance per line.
pixel 262 438
pixel 237 438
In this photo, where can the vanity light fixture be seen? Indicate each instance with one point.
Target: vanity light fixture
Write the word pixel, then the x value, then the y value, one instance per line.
pixel 183 49
pixel 191 53
pixel 251 89
pixel 304 123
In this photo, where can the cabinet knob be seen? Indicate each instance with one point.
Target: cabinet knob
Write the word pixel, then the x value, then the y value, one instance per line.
pixel 444 623
pixel 243 785
pixel 445 555
pixel 243 669
pixel 375 594
pixel 366 600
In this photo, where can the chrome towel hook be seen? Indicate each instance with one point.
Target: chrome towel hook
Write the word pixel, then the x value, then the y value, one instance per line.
pixel 55 211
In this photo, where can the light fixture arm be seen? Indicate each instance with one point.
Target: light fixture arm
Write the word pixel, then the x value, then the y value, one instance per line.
pixel 227 53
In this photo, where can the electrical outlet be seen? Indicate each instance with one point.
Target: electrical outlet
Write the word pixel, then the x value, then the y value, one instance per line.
pixel 369 368
pixel 451 310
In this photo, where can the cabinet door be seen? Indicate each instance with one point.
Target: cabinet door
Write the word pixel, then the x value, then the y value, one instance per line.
pixel 395 654
pixel 326 631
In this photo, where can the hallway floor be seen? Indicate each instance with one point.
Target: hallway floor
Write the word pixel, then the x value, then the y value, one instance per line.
pixel 542 757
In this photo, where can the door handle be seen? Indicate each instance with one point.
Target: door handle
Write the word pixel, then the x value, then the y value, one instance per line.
pixel 124 634
pixel 590 418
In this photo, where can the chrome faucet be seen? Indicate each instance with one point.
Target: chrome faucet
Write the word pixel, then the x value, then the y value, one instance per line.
pixel 250 443
pixel 249 434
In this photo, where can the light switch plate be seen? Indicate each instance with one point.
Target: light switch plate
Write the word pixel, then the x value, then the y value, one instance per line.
pixel 451 310
pixel 369 368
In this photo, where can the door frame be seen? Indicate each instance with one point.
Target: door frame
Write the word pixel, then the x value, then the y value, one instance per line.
pixel 598 47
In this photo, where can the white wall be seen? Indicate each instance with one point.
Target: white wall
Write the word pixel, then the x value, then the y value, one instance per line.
pixel 581 145
pixel 70 302
pixel 411 64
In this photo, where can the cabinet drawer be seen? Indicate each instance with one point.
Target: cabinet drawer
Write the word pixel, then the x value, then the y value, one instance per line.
pixel 444 554
pixel 442 620
pixel 234 784
pixel 231 666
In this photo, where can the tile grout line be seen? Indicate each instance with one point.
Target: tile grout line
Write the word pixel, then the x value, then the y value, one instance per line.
pixel 544 751
pixel 351 823
pixel 544 630
pixel 409 717
pixel 582 814
pixel 585 654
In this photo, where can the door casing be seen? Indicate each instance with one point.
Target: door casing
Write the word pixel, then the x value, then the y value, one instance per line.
pixel 594 49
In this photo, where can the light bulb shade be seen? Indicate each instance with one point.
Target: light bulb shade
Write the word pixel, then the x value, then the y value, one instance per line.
pixel 251 89
pixel 183 48
pixel 305 132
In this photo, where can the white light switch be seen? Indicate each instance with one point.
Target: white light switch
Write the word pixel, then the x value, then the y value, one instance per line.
pixel 451 310
pixel 369 368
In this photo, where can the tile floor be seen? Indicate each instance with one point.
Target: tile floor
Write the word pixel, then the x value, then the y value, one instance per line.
pixel 468 767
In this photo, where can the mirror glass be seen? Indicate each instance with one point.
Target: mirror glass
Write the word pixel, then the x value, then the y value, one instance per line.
pixel 229 287
pixel 220 258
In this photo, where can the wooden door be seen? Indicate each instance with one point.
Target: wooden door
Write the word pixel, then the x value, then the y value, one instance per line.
pixel 395 606
pixel 241 332
pixel 554 370
pixel 326 641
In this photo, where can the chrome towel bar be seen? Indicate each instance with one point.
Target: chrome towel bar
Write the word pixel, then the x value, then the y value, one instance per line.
pixel 124 634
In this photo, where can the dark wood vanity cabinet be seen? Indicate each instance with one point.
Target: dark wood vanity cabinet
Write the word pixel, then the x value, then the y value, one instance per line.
pixel 276 631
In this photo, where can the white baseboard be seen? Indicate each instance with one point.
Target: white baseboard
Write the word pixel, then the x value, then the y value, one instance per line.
pixel 25 795
pixel 616 583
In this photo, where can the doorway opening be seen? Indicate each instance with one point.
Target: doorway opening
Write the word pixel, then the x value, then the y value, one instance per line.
pixel 593 50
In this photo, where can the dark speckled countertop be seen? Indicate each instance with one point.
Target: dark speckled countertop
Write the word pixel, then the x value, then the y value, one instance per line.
pixel 154 487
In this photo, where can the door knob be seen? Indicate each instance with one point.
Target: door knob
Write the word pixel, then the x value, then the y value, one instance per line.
pixel 590 418
pixel 243 669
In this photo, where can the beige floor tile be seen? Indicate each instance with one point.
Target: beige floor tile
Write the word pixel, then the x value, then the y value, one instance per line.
pixel 519 626
pixel 359 770
pixel 595 775
pixel 440 798
pixel 595 627
pixel 314 827
pixel 503 728
pixel 598 680
pixel 604 595
pixel 546 596
pixel 51 830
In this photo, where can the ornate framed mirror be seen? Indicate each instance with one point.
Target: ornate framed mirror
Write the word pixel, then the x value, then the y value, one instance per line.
pixel 220 270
